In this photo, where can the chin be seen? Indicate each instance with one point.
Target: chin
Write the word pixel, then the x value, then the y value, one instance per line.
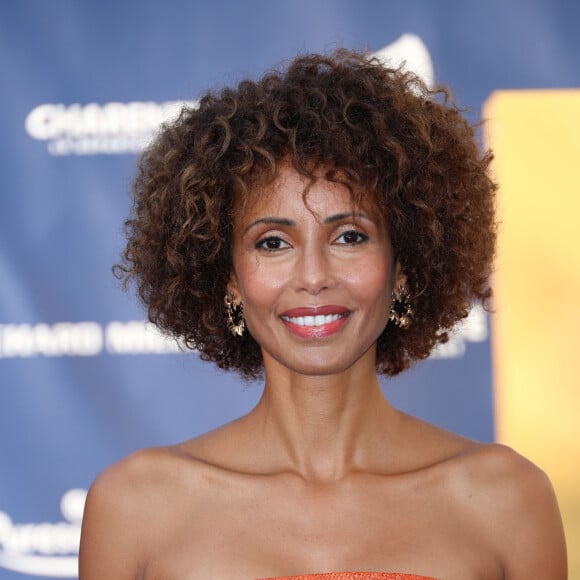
pixel 316 368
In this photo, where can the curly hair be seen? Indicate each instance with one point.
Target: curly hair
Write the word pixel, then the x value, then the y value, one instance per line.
pixel 409 148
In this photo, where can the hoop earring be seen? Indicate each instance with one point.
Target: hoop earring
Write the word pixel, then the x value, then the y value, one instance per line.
pixel 401 313
pixel 235 316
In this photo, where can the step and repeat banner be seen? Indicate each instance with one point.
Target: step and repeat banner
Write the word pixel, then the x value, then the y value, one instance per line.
pixel 85 380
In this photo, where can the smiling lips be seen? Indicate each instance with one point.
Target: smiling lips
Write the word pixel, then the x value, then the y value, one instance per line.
pixel 315 322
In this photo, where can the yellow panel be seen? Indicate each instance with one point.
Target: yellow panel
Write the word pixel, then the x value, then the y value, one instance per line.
pixel 536 328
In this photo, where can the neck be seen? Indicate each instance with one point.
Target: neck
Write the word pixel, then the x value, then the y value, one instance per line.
pixel 324 427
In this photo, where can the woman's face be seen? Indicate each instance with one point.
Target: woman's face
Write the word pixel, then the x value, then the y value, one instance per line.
pixel 315 279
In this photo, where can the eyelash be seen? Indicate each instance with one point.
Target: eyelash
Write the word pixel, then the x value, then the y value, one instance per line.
pixel 263 244
pixel 361 238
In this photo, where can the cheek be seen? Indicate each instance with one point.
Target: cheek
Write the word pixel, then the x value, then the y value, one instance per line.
pixel 371 281
pixel 258 284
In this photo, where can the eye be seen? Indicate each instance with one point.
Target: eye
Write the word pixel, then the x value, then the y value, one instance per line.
pixel 352 238
pixel 271 244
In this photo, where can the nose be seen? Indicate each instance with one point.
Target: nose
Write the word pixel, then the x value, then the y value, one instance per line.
pixel 314 272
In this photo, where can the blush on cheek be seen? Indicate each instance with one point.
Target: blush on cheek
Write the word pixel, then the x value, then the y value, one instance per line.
pixel 371 278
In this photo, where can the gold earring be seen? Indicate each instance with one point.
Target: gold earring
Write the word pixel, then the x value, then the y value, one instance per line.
pixel 401 313
pixel 235 313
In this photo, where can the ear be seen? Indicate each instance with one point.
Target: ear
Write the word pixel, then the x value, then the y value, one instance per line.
pixel 233 288
pixel 400 278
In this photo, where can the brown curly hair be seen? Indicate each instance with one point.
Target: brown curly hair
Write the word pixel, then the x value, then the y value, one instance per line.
pixel 378 128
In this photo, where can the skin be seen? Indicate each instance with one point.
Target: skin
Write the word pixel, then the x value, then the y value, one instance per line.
pixel 324 474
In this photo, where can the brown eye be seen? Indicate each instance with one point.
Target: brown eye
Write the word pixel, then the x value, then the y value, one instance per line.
pixel 352 237
pixel 271 244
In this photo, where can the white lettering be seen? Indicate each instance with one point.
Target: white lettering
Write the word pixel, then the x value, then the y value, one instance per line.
pixel 42 122
pixel 93 128
pixel 137 336
pixel 44 549
pixel 130 119
pixel 83 339
pixel 96 145
pixel 60 339
pixel 72 505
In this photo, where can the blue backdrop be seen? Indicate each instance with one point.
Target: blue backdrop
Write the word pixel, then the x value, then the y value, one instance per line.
pixel 83 380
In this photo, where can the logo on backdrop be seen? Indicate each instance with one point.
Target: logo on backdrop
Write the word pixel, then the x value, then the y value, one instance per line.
pixel 93 129
pixel 114 128
pixel 83 339
pixel 44 549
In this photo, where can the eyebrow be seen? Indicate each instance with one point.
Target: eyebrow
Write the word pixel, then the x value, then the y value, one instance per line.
pixel 341 216
pixel 291 223
pixel 272 221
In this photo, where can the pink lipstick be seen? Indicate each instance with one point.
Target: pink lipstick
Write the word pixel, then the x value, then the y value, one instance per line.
pixel 315 322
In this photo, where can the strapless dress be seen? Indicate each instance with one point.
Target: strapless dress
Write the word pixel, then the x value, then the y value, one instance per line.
pixel 353 576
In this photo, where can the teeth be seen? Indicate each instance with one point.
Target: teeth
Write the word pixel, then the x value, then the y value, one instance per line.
pixel 317 320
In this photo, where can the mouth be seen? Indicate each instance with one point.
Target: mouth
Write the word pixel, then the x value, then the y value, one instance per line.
pixel 315 322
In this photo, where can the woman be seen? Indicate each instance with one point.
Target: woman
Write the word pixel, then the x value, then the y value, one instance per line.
pixel 320 226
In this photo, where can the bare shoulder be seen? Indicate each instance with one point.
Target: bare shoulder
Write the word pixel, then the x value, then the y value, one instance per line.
pixel 514 504
pixel 497 496
pixel 129 507
pixel 144 481
pixel 133 475
pixel 495 471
